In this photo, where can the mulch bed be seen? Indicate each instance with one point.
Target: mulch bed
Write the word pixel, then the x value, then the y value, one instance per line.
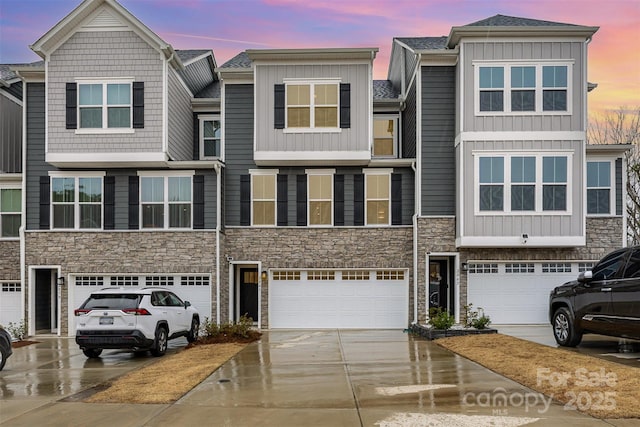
pixel 23 343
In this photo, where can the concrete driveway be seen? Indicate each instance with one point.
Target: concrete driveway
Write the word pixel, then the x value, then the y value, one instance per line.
pixel 289 378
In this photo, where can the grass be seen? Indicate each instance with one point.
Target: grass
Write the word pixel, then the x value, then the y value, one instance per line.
pixel 597 387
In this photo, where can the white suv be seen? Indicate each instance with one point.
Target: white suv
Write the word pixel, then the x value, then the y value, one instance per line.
pixel 137 319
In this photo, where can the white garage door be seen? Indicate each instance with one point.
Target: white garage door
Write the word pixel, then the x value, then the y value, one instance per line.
pixel 193 288
pixel 517 293
pixel 10 303
pixel 375 299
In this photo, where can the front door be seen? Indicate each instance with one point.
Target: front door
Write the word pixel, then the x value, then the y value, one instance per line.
pixel 440 293
pixel 46 302
pixel 249 293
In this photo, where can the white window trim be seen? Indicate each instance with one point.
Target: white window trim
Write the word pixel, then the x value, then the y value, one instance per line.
pixel 311 83
pixel 274 174
pixel 611 188
pixel 377 171
pixel 7 186
pixel 395 119
pixel 507 87
pixel 104 129
pixel 507 183
pixel 202 119
pixel 76 198
pixel 320 172
pixel 165 175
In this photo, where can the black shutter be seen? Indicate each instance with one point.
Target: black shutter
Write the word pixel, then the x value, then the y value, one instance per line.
pixel 109 202
pixel 134 214
pixel 138 105
pixel 301 200
pixel 358 199
pixel 396 199
pixel 282 200
pixel 245 200
pixel 72 106
pixel 45 198
pixel 345 105
pixel 198 202
pixel 278 108
pixel 338 200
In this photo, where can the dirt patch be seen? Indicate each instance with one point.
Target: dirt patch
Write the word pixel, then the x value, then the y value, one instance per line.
pixel 23 343
pixel 597 387
pixel 170 378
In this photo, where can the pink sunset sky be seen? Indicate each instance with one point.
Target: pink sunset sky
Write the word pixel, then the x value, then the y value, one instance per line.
pixel 231 26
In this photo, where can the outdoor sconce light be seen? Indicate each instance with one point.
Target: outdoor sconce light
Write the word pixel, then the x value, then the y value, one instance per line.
pixel 465 267
pixel 264 275
pixel 61 281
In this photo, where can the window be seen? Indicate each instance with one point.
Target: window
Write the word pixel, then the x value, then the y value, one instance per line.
pixel 104 105
pixel 355 275
pixel 609 266
pixel 263 199
pixel 76 202
pixel 165 201
pixel 523 183
pixel 554 178
pixel 554 83
pixel 491 183
pixel 320 197
pixel 598 187
pixel 210 137
pixel 285 275
pixel 475 268
pixel 312 105
pixel 385 136
pixel 378 197
pixel 10 212
pixel 523 88
pixel 556 267
pixel 491 88
pixel 632 270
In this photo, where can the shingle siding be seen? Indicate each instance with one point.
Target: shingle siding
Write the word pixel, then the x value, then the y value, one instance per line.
pixel 180 119
pixel 10 136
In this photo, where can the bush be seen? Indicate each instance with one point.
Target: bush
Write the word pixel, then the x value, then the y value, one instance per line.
pixel 18 330
pixel 241 331
pixel 476 318
pixel 440 319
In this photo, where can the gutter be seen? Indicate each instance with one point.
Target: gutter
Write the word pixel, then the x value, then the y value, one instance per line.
pixel 414 220
pixel 218 169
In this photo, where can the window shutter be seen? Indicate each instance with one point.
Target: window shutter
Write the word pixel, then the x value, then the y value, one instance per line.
pixel 72 106
pixel 109 202
pixel 345 105
pixel 198 202
pixel 301 200
pixel 396 199
pixel 278 109
pixel 358 199
pixel 282 200
pixel 134 213
pixel 138 105
pixel 45 198
pixel 618 187
pixel 338 200
pixel 245 200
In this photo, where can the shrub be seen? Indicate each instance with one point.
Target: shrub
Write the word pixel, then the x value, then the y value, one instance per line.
pixel 476 318
pixel 440 319
pixel 18 330
pixel 242 330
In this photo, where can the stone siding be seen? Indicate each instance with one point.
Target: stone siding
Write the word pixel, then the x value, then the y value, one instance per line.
pixel 10 260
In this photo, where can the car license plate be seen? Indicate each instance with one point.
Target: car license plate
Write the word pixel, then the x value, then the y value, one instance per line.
pixel 106 320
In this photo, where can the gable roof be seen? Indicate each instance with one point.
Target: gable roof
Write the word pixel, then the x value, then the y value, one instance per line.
pixel 514 21
pixel 383 89
pixel 424 43
pixel 241 60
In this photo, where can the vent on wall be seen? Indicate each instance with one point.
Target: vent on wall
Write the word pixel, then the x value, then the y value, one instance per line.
pixel 104 19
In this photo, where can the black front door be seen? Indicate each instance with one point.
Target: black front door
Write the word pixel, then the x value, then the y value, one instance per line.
pixel 44 296
pixel 249 293
pixel 439 284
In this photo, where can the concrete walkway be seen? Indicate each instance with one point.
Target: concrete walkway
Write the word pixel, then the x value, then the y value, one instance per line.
pixel 291 378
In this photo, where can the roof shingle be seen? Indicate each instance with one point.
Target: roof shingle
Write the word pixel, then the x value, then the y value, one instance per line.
pixel 514 21
pixel 241 60
pixel 383 89
pixel 424 43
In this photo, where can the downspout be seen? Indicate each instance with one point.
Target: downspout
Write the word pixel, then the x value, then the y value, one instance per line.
pixel 217 168
pixel 585 121
pixel 414 219
pixel 23 213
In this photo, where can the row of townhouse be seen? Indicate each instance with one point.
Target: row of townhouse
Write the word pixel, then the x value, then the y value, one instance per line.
pixel 289 185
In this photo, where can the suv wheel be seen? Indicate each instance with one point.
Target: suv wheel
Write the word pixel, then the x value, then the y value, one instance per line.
pixel 160 345
pixel 193 332
pixel 92 353
pixel 564 330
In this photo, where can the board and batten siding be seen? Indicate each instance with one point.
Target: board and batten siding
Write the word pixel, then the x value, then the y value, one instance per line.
pixel 180 120
pixel 438 195
pixel 198 75
pixel 545 224
pixel 408 136
pixel 102 56
pixel 534 51
pixel 10 136
pixel 355 138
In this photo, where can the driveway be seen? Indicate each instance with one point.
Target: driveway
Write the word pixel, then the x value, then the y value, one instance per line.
pixel 288 378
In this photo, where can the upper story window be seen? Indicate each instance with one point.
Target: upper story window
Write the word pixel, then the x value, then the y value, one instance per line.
pixel 210 137
pixel 320 197
pixel 378 197
pixel 166 201
pixel 105 105
pixel 599 188
pixel 522 184
pixel 263 197
pixel 10 212
pixel 522 88
pixel 76 202
pixel 385 136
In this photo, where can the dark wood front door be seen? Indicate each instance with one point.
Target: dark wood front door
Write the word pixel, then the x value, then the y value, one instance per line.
pixel 249 292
